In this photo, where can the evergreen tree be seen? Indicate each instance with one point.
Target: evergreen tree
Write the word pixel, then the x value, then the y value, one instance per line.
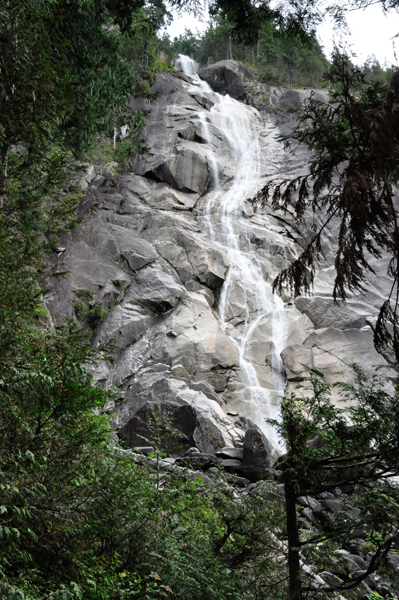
pixel 275 58
pixel 352 179
pixel 355 448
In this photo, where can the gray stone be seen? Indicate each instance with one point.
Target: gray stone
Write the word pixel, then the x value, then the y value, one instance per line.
pixel 324 312
pixel 296 98
pixel 386 590
pixel 178 425
pixel 205 460
pixel 334 505
pixel 169 461
pixel 179 154
pixel 361 591
pixel 143 251
pixel 308 501
pixel 307 514
pixel 256 454
pixel 321 515
pixel 338 570
pixel 331 579
pixel 155 289
pixel 144 449
pixel 193 451
pixel 393 560
pixel 368 580
pixel 353 562
pixel 327 496
pixel 137 252
pixel 235 453
pixel 330 353
pixel 304 524
pixel 230 464
pixel 88 176
pixel 240 481
pixel 227 76
pixel 205 388
pixel 110 168
pixel 358 560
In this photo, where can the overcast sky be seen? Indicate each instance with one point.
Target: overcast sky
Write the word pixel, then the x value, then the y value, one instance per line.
pixel 371 33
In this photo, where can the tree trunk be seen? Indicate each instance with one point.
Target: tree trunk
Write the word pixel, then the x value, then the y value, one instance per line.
pixel 295 584
pixel 3 168
pixel 229 48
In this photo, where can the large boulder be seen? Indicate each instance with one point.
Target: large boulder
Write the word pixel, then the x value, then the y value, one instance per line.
pixel 227 77
pixel 257 454
pixel 169 425
pixel 292 100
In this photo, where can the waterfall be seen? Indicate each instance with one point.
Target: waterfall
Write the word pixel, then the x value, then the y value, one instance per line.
pixel 241 127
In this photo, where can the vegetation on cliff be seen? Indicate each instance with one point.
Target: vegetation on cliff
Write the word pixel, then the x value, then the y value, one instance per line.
pixel 276 59
pixel 79 517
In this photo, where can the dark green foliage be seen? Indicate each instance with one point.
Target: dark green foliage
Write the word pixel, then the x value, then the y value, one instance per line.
pixel 82 519
pixel 352 178
pixel 245 17
pixel 274 58
pixel 373 71
pixel 87 311
pixel 329 447
pixel 63 80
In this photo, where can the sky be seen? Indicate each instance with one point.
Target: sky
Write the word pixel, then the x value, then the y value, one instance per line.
pixel 371 31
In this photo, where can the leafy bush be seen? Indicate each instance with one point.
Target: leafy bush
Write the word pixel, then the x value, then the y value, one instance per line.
pixel 87 311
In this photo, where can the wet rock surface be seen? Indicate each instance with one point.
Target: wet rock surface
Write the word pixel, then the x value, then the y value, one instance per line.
pixel 144 271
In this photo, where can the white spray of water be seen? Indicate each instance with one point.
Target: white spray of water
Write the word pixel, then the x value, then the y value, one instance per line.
pixel 206 136
pixel 190 68
pixel 241 127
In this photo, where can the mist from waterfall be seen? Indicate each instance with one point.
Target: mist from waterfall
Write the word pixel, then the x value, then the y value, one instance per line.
pixel 241 127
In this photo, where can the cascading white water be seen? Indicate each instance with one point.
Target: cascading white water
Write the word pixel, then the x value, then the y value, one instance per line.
pixel 241 127
pixel 190 68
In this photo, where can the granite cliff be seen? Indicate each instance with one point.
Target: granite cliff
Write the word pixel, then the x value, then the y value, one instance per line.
pixel 172 265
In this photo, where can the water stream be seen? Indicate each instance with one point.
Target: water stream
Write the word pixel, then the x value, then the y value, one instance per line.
pixel 242 129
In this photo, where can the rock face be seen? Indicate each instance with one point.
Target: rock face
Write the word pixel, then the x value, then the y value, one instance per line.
pixel 257 454
pixel 171 266
pixel 227 77
pixel 294 99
